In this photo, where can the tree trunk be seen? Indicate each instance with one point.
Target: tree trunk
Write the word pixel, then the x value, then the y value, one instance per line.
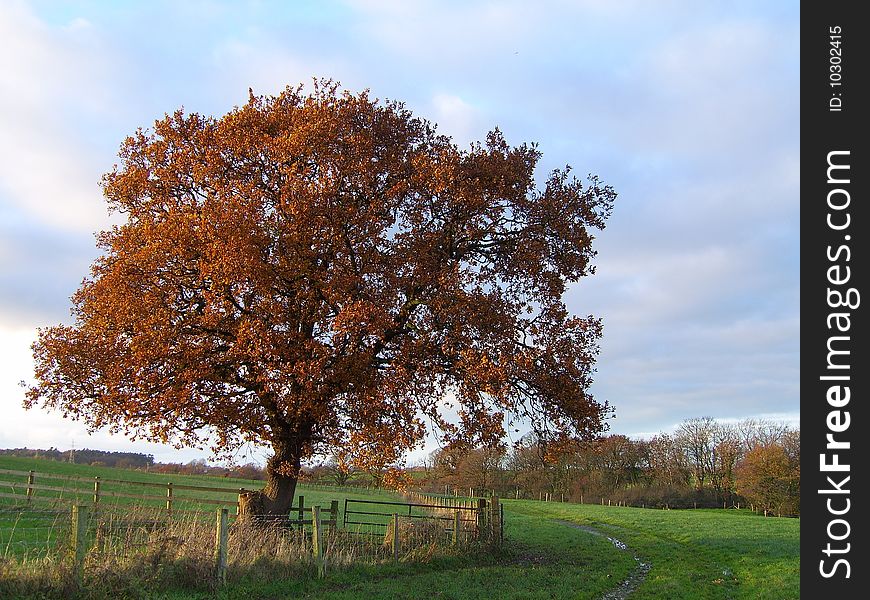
pixel 272 504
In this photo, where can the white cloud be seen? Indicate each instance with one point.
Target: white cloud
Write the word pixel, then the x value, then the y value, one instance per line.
pixel 259 61
pixel 456 118
pixel 429 33
pixel 49 77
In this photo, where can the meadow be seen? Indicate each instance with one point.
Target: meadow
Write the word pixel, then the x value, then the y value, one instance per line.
pixel 552 550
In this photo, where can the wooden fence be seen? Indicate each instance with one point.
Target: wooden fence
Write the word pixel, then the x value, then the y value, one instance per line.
pixel 376 516
pixel 27 491
pixel 90 524
pixel 81 538
pixel 106 503
pixel 488 513
pixel 72 489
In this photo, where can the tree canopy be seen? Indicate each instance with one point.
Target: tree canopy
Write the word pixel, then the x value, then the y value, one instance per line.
pixel 323 270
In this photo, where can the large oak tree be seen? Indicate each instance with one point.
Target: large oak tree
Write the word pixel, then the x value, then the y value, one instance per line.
pixel 323 270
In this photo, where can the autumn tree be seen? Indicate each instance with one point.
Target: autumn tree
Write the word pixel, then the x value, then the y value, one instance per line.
pixel 318 270
pixel 770 478
pixel 527 464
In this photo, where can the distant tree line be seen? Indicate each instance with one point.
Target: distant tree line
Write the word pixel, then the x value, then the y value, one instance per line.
pixel 703 463
pixel 137 460
pixel 86 456
pixel 201 467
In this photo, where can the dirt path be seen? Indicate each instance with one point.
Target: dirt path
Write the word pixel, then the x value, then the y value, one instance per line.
pixel 634 579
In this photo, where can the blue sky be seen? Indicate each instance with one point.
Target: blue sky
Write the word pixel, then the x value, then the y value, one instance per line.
pixel 690 110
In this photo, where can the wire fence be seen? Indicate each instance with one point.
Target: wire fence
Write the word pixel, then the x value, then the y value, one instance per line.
pixel 28 532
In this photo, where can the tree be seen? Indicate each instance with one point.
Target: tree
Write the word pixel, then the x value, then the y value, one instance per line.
pixel 479 468
pixel 619 460
pixel 668 461
pixel 770 479
pixel 697 438
pixel 726 452
pixel 759 432
pixel 338 469
pixel 317 271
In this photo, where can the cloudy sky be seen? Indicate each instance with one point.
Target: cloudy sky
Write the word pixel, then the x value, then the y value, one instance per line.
pixel 689 109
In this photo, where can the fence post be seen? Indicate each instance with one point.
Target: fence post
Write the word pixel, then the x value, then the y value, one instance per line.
pixel 239 501
pixel 495 522
pixel 301 510
pixel 317 540
pixel 31 477
pixel 220 544
pixel 333 511
pixel 457 523
pixel 396 536
pixel 481 518
pixel 96 490
pixel 79 535
pixel 169 496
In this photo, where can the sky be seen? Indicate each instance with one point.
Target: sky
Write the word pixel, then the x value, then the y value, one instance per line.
pixel 688 109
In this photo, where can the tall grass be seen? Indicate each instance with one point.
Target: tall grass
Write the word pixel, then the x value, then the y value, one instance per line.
pixel 141 548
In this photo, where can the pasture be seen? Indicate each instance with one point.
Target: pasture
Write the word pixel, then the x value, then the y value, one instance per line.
pixel 552 550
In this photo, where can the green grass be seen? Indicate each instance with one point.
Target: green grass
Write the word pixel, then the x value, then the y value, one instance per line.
pixel 695 554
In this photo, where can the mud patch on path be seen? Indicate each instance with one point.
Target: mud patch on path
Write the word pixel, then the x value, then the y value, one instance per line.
pixel 634 579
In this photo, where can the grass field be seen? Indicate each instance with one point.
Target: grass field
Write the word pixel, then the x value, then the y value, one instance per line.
pixel 693 554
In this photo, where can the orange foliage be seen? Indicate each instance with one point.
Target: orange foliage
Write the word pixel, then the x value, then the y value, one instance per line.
pixel 316 271
pixel 770 478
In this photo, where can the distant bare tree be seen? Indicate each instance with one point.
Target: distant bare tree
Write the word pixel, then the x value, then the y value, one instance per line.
pixel 480 468
pixel 620 460
pixel 726 453
pixel 668 461
pixel 759 432
pixel 339 470
pixel 697 439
